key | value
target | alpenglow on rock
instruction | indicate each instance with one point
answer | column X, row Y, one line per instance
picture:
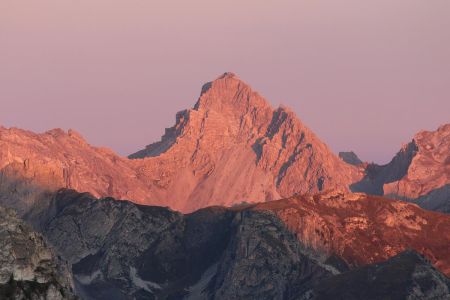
column 420, row 172
column 231, row 147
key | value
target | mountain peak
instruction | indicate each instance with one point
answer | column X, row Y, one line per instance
column 228, row 93
column 232, row 129
column 350, row 157
column 228, row 75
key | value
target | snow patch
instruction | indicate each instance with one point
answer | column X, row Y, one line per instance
column 196, row 290
column 139, row 282
column 88, row 279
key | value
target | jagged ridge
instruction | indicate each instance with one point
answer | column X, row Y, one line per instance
column 232, row 146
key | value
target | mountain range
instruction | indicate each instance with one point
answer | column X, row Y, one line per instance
column 231, row 147
column 238, row 200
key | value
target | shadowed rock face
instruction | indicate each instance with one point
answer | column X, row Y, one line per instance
column 275, row 250
column 119, row 250
column 28, row 268
column 350, row 158
column 232, row 146
column 436, row 200
column 419, row 172
column 405, row 276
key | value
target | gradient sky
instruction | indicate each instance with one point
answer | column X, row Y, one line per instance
column 364, row 75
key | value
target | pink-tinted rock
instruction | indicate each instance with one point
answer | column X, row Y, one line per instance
column 231, row 147
column 364, row 229
column 429, row 168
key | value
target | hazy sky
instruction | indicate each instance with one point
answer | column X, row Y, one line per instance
column 364, row 75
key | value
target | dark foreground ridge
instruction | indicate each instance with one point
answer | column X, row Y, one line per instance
column 120, row 250
column 405, row 276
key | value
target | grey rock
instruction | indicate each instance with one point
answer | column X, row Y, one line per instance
column 28, row 267
column 120, row 250
column 350, row 157
column 405, row 276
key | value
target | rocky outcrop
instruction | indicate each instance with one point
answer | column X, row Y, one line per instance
column 350, row 158
column 419, row 172
column 405, row 276
column 28, row 268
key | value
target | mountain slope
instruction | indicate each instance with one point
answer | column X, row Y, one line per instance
column 363, row 229
column 231, row 147
column 405, row 276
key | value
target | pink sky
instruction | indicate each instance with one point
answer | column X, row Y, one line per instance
column 364, row 75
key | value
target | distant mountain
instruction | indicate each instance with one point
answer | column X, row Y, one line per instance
column 32, row 165
column 285, row 249
column 350, row 158
column 28, row 267
column 231, row 147
column 222, row 165
column 420, row 172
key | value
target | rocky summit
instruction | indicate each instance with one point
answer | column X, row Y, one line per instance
column 233, row 146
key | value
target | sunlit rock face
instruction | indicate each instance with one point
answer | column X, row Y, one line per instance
column 28, row 268
column 232, row 146
column 32, row 165
column 362, row 229
column 420, row 172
